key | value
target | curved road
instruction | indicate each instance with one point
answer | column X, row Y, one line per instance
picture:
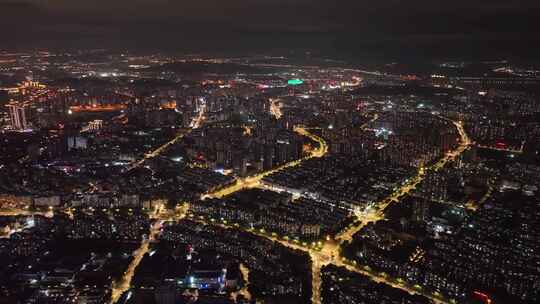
column 330, row 251
column 254, row 181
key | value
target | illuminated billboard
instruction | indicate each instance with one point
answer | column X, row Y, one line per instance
column 295, row 82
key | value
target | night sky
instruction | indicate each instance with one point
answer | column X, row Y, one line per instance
column 481, row 28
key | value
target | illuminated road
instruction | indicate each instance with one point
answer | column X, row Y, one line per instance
column 316, row 279
column 502, row 149
column 473, row 206
column 24, row 212
column 123, row 285
column 197, row 123
column 323, row 147
column 160, row 215
column 244, row 291
column 377, row 213
column 329, row 253
column 254, row 181
column 103, row 108
column 383, row 278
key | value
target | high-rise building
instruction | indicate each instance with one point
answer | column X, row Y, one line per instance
column 17, row 115
column 165, row 294
column 420, row 210
column 243, row 167
column 268, row 157
column 3, row 96
column 282, row 152
column 95, row 125
column 531, row 151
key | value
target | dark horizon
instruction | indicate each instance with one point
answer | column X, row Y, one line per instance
column 386, row 30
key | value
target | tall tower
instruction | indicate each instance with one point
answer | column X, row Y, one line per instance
column 17, row 115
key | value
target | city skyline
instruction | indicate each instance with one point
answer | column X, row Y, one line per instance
column 257, row 151
column 352, row 29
